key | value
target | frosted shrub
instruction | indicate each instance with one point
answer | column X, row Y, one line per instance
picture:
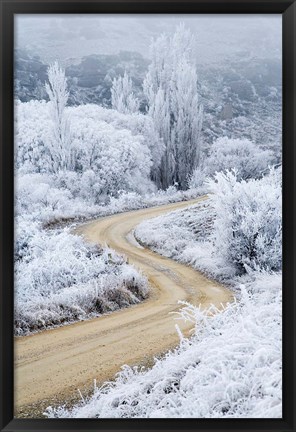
column 126, row 201
column 118, row 158
column 248, row 225
column 197, row 178
column 106, row 151
column 239, row 228
column 59, row 278
column 43, row 202
column 137, row 123
column 32, row 127
column 249, row 160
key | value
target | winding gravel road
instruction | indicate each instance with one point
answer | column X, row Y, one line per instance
column 50, row 366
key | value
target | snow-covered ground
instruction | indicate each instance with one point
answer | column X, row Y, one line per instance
column 231, row 366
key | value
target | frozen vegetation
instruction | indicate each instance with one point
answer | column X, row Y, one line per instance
column 168, row 137
column 231, row 366
column 61, row 279
column 105, row 170
column 236, row 230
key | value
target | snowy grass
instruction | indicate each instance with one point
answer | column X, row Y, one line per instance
column 185, row 235
column 59, row 279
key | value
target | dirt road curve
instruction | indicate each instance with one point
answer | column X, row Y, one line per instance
column 52, row 365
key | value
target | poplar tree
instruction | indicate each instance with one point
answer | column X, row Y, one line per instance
column 171, row 90
column 59, row 140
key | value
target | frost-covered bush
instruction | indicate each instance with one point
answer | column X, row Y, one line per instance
column 59, row 278
column 107, row 151
column 42, row 199
column 137, row 123
column 247, row 158
column 117, row 158
column 32, row 128
column 231, row 367
column 196, row 180
column 248, row 225
column 37, row 194
column 68, row 196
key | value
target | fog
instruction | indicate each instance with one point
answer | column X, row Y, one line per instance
column 68, row 38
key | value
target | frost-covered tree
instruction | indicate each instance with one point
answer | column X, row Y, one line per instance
column 59, row 140
column 109, row 156
column 171, row 90
column 187, row 114
column 110, row 151
column 122, row 96
column 139, row 124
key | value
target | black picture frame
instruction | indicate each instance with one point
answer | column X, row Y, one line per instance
column 288, row 10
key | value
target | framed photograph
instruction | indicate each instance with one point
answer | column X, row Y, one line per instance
column 147, row 215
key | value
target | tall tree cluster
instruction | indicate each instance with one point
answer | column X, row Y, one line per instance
column 171, row 90
column 173, row 108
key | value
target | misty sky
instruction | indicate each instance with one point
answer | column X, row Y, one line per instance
column 68, row 38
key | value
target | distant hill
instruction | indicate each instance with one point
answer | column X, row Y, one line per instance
column 30, row 75
column 89, row 81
